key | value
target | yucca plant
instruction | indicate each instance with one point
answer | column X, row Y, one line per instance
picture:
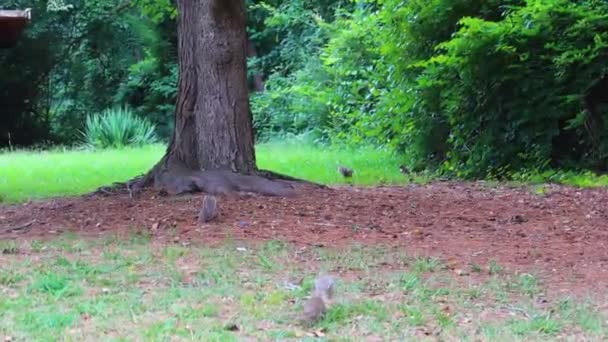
column 118, row 127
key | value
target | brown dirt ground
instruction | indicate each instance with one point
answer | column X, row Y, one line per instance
column 561, row 235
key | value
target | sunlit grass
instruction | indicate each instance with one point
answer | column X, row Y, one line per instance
column 41, row 174
column 25, row 174
column 34, row 174
column 372, row 166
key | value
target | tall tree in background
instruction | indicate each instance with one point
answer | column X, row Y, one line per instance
column 212, row 148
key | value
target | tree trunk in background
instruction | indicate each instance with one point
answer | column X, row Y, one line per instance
column 213, row 125
column 212, row 148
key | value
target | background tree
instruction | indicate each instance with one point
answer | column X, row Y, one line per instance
column 212, row 148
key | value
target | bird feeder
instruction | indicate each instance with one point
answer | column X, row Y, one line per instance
column 12, row 24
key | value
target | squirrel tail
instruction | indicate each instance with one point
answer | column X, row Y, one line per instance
column 324, row 287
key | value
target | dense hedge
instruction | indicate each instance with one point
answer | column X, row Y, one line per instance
column 474, row 88
column 512, row 92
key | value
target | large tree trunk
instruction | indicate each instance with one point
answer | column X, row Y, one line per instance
column 212, row 148
column 213, row 127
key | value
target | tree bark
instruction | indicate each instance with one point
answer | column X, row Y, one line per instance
column 213, row 123
column 212, row 147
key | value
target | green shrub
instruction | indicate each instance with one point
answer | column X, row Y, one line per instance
column 512, row 91
column 118, row 127
column 474, row 88
column 151, row 92
column 292, row 103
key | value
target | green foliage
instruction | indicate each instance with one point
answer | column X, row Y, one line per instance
column 151, row 91
column 291, row 106
column 512, row 91
column 96, row 51
column 468, row 88
column 79, row 56
column 360, row 88
column 117, row 128
column 473, row 88
column 25, row 68
column 409, row 34
column 285, row 33
column 157, row 10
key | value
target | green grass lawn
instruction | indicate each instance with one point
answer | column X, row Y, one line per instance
column 33, row 174
column 129, row 288
column 27, row 175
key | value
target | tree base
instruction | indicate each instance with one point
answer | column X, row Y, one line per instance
column 174, row 182
column 176, row 179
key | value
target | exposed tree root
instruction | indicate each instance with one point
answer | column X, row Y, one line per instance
column 278, row 176
column 170, row 176
column 116, row 188
column 175, row 179
column 109, row 190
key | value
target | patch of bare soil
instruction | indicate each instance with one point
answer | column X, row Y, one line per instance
column 562, row 235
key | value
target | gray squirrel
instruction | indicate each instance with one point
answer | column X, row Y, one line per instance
column 316, row 307
column 345, row 171
column 209, row 210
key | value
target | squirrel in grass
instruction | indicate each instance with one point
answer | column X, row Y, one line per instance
column 209, row 211
column 345, row 171
column 316, row 307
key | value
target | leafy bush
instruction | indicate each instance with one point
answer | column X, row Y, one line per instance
column 474, row 88
column 151, row 92
column 512, row 91
column 320, row 94
column 291, row 103
column 118, row 127
column 360, row 88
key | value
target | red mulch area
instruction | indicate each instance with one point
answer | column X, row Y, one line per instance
column 562, row 234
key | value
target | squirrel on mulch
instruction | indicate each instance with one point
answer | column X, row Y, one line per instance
column 209, row 209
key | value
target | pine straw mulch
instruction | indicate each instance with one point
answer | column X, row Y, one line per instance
column 562, row 234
